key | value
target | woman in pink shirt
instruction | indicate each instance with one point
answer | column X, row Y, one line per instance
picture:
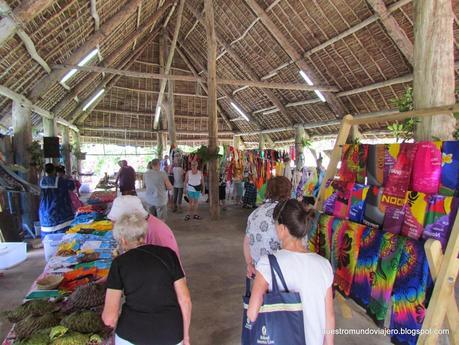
column 158, row 232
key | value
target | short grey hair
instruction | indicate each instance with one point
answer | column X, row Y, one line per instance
column 155, row 162
column 132, row 227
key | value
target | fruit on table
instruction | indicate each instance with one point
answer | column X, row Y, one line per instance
column 83, row 322
column 35, row 308
column 72, row 338
column 87, row 296
column 32, row 324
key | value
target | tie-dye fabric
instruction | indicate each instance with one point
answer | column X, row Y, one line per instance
column 325, row 228
column 375, row 164
column 366, row 266
column 410, row 292
column 374, row 209
column 441, row 213
column 399, row 175
column 449, row 182
column 329, row 198
column 343, row 195
column 427, row 167
column 313, row 235
column 386, row 270
column 357, row 203
column 339, row 228
column 347, row 257
column 393, row 219
column 415, row 212
column 353, row 163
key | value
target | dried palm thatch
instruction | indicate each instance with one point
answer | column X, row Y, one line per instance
column 342, row 43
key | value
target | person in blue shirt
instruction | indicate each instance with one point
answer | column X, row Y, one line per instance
column 55, row 210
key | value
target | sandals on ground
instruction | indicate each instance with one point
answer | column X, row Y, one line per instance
column 187, row 217
column 196, row 216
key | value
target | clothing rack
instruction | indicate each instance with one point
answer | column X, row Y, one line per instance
column 444, row 268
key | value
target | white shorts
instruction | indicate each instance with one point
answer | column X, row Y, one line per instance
column 121, row 341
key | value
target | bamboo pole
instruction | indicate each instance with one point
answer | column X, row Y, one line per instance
column 212, row 108
column 170, row 57
column 234, row 82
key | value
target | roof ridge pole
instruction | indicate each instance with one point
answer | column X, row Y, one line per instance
column 212, row 109
column 333, row 102
column 106, row 29
column 393, row 29
column 168, row 63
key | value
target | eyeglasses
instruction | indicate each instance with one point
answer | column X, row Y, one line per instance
column 278, row 219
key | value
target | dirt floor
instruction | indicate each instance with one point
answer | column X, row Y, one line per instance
column 213, row 261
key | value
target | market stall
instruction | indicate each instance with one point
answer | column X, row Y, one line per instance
column 390, row 230
column 64, row 303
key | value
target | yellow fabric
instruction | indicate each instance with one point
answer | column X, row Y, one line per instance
column 279, row 168
column 101, row 225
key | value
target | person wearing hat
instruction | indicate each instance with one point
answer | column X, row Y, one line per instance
column 158, row 233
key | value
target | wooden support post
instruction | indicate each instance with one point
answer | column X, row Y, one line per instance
column 67, row 150
column 300, row 135
column 262, row 142
column 49, row 127
column 268, row 141
column 435, row 258
column 237, row 142
column 335, row 158
column 212, row 108
column 433, row 77
column 170, row 105
column 78, row 150
column 443, row 292
column 354, row 135
column 22, row 128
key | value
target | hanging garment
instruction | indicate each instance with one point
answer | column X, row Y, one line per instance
column 440, row 217
column 390, row 157
column 449, row 182
column 427, row 168
column 366, row 266
column 357, row 202
column 307, row 183
column 410, row 292
column 347, row 257
column 386, row 270
column 415, row 212
column 353, row 163
column 375, row 164
column 399, row 175
column 313, row 234
column 325, row 228
column 393, row 219
column 329, row 198
column 343, row 191
column 339, row 227
column 374, row 209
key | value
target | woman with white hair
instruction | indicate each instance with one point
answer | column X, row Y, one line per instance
column 157, row 308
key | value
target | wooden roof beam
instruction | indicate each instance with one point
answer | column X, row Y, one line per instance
column 333, row 102
column 151, row 142
column 85, row 83
column 245, row 67
column 138, row 114
column 96, row 38
column 163, row 84
column 393, row 29
column 24, row 13
column 151, row 130
column 28, row 43
column 95, row 15
column 203, row 86
column 234, row 82
column 108, row 82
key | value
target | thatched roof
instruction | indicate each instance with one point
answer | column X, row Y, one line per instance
column 363, row 62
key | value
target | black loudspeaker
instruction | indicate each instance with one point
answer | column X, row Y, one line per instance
column 51, row 147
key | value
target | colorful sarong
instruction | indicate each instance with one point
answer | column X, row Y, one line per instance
column 366, row 266
column 339, row 228
column 398, row 180
column 410, row 292
column 313, row 235
column 357, row 203
column 440, row 217
column 386, row 270
column 325, row 227
column 329, row 198
column 390, row 157
column 375, row 164
column 393, row 219
column 427, row 168
column 343, row 194
column 348, row 253
column 374, row 209
column 415, row 212
column 449, row 182
column 353, row 163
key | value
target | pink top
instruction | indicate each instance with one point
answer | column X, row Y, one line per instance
column 160, row 234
